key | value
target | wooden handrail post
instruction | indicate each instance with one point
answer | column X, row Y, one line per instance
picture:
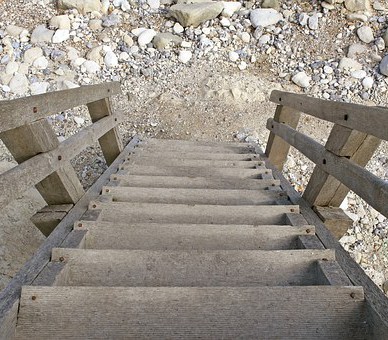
column 110, row 143
column 277, row 149
column 27, row 141
column 323, row 189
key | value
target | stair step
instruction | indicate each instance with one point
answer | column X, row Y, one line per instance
column 195, row 163
column 198, row 214
column 193, row 182
column 325, row 312
column 194, row 155
column 193, row 172
column 193, row 196
column 155, row 142
column 206, row 268
column 153, row 236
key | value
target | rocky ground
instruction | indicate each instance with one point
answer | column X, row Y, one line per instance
column 204, row 70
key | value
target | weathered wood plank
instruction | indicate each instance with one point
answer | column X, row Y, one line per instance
column 330, row 273
column 110, row 142
column 18, row 112
column 371, row 120
column 377, row 302
column 309, row 242
column 334, row 219
column 38, row 137
column 10, row 295
column 326, row 312
column 17, row 180
column 323, row 189
column 371, row 188
column 277, row 149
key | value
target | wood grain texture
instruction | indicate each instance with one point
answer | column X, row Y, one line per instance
column 277, row 149
column 334, row 219
column 10, row 295
column 193, row 196
column 157, row 154
column 330, row 273
column 17, row 180
column 29, row 109
column 327, row 312
column 192, row 182
column 368, row 186
column 156, row 236
column 194, row 268
column 371, row 120
column 200, row 214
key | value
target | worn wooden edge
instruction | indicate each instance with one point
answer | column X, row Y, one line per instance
column 377, row 302
column 22, row 177
column 368, row 186
column 309, row 242
column 10, row 294
column 372, row 120
column 18, row 112
column 330, row 273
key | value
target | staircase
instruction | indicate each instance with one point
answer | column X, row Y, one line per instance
column 192, row 240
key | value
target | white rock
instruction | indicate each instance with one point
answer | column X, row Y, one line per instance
column 5, row 88
column 303, row 19
column 230, row 8
column 313, row 22
column 365, row 34
column 186, row 44
column 349, row 64
column 359, row 74
column 185, row 56
column 14, row 31
column 125, row 6
column 19, row 84
column 124, row 56
column 72, row 53
column 233, row 56
column 367, row 82
column 110, row 59
column 264, row 39
column 225, row 22
column 61, row 36
column 60, row 21
column 40, row 63
column 41, row 34
column 146, row 37
column 137, row 31
column 242, row 66
column 178, row 28
column 31, row 54
column 39, row 87
column 12, row 68
column 91, row 66
column 384, row 66
column 154, row 4
column 245, row 37
column 83, row 6
column 327, row 69
column 265, row 17
column 79, row 120
column 301, row 79
column 206, row 30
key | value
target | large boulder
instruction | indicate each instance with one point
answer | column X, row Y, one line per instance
column 82, row 6
column 195, row 14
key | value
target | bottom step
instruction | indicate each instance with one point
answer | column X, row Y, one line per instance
column 176, row 313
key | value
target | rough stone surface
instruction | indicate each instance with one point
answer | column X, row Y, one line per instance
column 31, row 54
column 347, row 64
column 265, row 17
column 19, row 84
column 162, row 40
column 146, row 37
column 82, row 6
column 301, row 79
column 357, row 5
column 41, row 34
column 195, row 14
column 384, row 66
column 60, row 21
column 365, row 34
column 61, row 36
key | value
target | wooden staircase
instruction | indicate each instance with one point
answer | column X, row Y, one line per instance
column 192, row 240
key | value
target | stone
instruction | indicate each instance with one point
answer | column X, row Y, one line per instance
column 110, row 59
column 195, row 14
column 380, row 43
column 31, row 54
column 357, row 5
column 356, row 50
column 271, row 4
column 384, row 66
column 60, row 21
column 95, row 24
column 41, row 34
column 40, row 63
column 163, row 40
column 313, row 22
column 230, row 8
column 12, row 68
column 348, row 64
column 303, row 19
column 128, row 40
column 91, row 66
column 110, row 20
column 82, row 6
column 19, row 84
column 14, row 31
column 125, row 6
column 178, row 28
column 233, row 56
column 146, row 37
column 360, row 74
column 367, row 83
column 95, row 54
column 357, row 17
column 385, row 37
column 154, row 4
column 61, row 36
column 327, row 69
column 79, row 120
column 225, row 22
column 184, row 56
column 39, row 87
column 365, row 34
column 138, row 31
column 301, row 79
column 245, row 37
column 265, row 17
column 242, row 66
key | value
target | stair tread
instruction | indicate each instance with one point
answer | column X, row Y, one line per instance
column 193, row 182
column 154, row 236
column 200, row 214
column 193, row 196
column 157, row 154
column 213, row 312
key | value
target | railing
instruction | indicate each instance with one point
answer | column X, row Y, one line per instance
column 340, row 163
column 43, row 161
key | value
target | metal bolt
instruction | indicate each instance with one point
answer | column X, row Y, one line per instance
column 61, row 259
column 59, row 158
column 292, row 210
column 273, row 184
column 325, row 259
column 352, row 295
column 79, row 225
column 35, row 109
column 115, row 178
column 106, row 190
column 94, row 206
column 33, row 297
column 308, row 231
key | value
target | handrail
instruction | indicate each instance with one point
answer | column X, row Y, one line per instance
column 22, row 111
column 372, row 120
